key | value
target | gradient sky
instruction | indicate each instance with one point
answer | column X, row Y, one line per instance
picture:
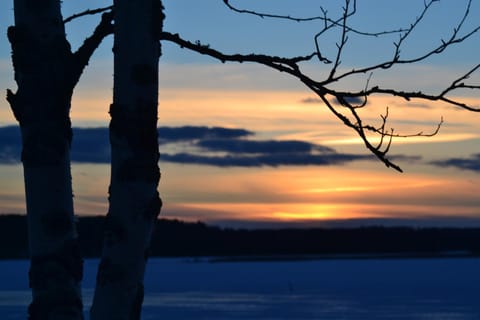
column 333, row 179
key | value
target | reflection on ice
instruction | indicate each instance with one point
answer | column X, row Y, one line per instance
column 14, row 298
column 418, row 289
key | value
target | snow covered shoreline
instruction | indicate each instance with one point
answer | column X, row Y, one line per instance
column 314, row 289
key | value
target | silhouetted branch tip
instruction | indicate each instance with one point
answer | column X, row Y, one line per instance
column 87, row 12
column 82, row 56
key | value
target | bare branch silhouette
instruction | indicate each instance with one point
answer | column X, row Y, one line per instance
column 269, row 15
column 87, row 12
column 455, row 38
column 328, row 22
column 84, row 53
column 323, row 87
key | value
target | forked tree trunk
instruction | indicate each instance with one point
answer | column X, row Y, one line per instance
column 46, row 71
column 133, row 195
column 41, row 105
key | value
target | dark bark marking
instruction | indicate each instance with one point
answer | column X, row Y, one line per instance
column 57, row 223
column 35, row 5
column 52, row 276
column 139, row 131
column 136, row 126
column 109, row 273
column 144, row 74
column 49, row 274
column 22, row 44
column 14, row 34
column 42, row 145
column 61, row 307
column 16, row 108
column 115, row 231
column 67, row 261
column 154, row 207
column 137, row 170
column 39, row 153
column 158, row 16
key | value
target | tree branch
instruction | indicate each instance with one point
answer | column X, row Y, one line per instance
column 281, row 64
column 324, row 17
column 455, row 38
column 269, row 15
column 343, row 39
column 324, row 88
column 87, row 12
column 82, row 56
column 408, row 95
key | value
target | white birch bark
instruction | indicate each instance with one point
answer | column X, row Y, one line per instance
column 41, row 105
column 133, row 195
column 46, row 71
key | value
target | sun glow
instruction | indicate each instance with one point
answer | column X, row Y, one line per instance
column 283, row 212
column 307, row 212
column 338, row 189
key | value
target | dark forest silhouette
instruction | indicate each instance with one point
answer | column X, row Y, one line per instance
column 175, row 238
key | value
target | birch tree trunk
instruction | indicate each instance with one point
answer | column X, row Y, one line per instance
column 46, row 71
column 134, row 199
column 41, row 106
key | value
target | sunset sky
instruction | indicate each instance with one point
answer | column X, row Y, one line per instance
column 330, row 179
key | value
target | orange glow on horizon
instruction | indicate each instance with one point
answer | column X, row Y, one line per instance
column 357, row 190
column 302, row 194
column 319, row 212
column 316, row 213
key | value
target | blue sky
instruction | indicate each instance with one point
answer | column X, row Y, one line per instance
column 205, row 179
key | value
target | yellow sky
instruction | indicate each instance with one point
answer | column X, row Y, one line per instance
column 295, row 194
column 362, row 189
column 319, row 193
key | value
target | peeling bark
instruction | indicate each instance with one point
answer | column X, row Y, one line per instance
column 133, row 196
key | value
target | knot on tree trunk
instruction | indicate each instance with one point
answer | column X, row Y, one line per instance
column 45, row 144
column 154, row 206
column 67, row 261
column 135, row 128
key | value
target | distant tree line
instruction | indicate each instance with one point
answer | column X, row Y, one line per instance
column 174, row 238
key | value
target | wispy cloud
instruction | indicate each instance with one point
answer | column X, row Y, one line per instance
column 268, row 146
column 352, row 100
column 472, row 163
column 311, row 100
column 272, row 160
column 91, row 145
column 215, row 146
column 170, row 134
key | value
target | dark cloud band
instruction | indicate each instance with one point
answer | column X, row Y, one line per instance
column 472, row 163
column 215, row 146
column 271, row 160
column 268, row 147
column 172, row 134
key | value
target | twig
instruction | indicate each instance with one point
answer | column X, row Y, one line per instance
column 87, row 12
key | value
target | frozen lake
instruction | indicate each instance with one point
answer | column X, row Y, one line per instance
column 319, row 289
